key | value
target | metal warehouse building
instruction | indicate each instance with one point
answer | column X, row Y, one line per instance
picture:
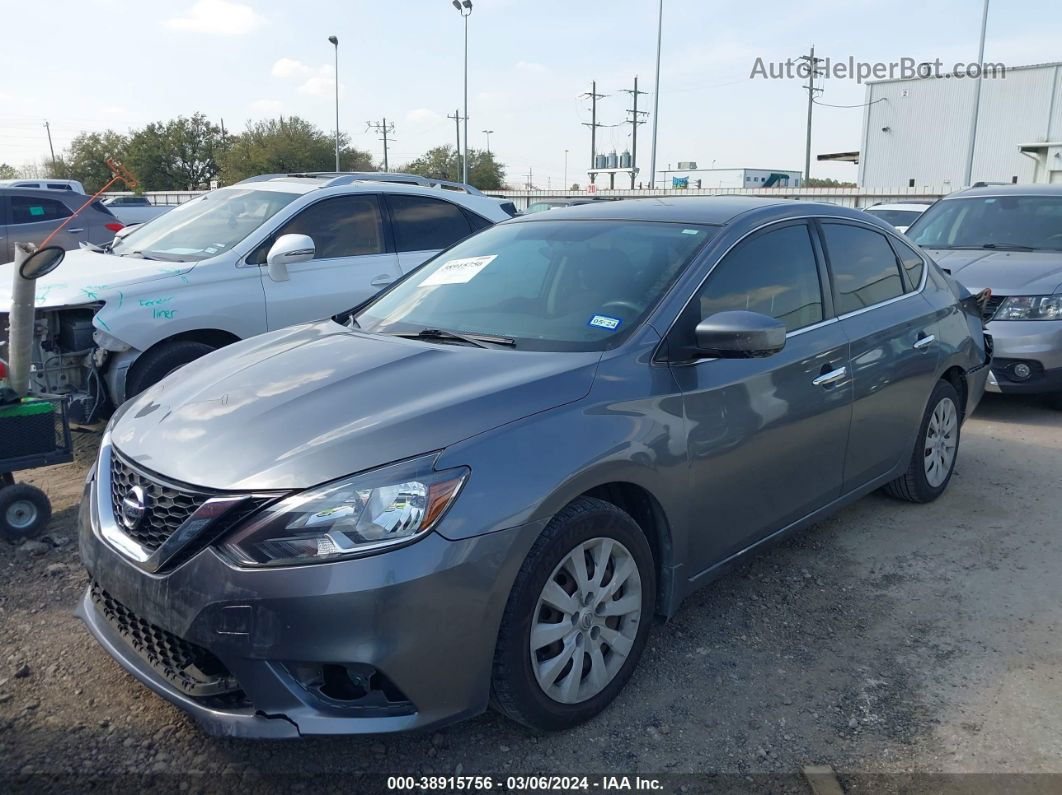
column 916, row 131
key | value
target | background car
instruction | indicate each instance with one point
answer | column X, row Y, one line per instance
column 28, row 215
column 44, row 184
column 553, row 204
column 900, row 215
column 1008, row 238
column 228, row 265
column 135, row 209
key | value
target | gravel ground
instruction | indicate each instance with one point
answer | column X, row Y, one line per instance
column 891, row 639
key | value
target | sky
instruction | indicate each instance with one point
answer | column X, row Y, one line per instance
column 123, row 63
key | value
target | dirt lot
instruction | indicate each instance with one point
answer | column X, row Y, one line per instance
column 891, row 639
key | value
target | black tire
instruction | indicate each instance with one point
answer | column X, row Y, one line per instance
column 914, row 485
column 25, row 510
column 159, row 362
column 515, row 692
column 1055, row 401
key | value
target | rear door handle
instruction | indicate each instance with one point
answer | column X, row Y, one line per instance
column 925, row 342
column 77, row 231
column 382, row 280
column 832, row 377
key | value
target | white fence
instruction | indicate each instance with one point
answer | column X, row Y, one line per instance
column 845, row 197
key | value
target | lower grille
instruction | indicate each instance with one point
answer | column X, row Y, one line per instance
column 190, row 668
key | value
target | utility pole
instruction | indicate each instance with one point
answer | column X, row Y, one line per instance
column 457, row 126
column 566, row 183
column 50, row 147
column 813, row 72
column 656, row 93
column 634, row 121
column 384, row 129
column 977, row 100
column 530, row 183
column 488, row 134
column 593, row 125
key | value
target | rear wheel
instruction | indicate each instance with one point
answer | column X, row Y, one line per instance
column 577, row 618
column 159, row 362
column 25, row 510
column 933, row 460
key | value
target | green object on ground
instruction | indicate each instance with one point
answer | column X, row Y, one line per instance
column 29, row 407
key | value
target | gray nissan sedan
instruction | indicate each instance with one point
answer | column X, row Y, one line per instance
column 479, row 487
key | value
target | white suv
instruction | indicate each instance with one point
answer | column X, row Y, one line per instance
column 230, row 264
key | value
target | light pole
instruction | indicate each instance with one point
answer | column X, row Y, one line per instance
column 488, row 133
column 335, row 41
column 656, row 93
column 566, row 185
column 968, row 174
column 464, row 8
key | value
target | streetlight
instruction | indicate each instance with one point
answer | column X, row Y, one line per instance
column 968, row 171
column 566, row 186
column 464, row 8
column 335, row 41
column 488, row 132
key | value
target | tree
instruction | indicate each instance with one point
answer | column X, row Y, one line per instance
column 816, row 182
column 287, row 145
column 8, row 171
column 85, row 158
column 443, row 162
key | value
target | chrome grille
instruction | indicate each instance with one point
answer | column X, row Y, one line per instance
column 167, row 506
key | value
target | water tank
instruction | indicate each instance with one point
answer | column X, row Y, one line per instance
column 613, row 160
column 625, row 160
column 600, row 161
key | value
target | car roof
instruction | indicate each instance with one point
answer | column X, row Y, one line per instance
column 1008, row 189
column 915, row 206
column 715, row 210
column 43, row 193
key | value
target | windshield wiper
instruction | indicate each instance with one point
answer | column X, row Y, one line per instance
column 450, row 336
column 140, row 254
column 996, row 247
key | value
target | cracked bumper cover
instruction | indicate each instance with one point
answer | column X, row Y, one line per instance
column 426, row 615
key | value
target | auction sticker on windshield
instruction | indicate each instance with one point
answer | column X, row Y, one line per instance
column 458, row 271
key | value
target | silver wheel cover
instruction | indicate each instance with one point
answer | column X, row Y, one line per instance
column 586, row 620
column 941, row 441
column 21, row 514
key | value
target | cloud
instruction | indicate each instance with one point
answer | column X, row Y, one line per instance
column 267, row 106
column 218, row 17
column 289, row 67
column 531, row 66
column 422, row 116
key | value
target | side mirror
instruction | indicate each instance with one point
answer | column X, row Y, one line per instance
column 740, row 335
column 288, row 250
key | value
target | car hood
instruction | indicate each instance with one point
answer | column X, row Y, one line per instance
column 86, row 276
column 311, row 403
column 1006, row 272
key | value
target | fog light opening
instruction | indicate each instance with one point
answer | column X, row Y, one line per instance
column 1022, row 371
column 352, row 685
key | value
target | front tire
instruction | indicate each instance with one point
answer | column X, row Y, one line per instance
column 577, row 619
column 25, row 510
column 159, row 362
column 933, row 460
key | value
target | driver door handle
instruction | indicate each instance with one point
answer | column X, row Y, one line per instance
column 382, row 280
column 832, row 377
column 925, row 342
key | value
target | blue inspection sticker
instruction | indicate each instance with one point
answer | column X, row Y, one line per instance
column 605, row 322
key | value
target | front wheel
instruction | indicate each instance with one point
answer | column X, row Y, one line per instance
column 933, row 460
column 159, row 362
column 25, row 510
column 577, row 618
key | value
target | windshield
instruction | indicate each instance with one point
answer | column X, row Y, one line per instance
column 544, row 285
column 204, row 227
column 1024, row 222
column 896, row 217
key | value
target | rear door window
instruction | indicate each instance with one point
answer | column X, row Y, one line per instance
column 864, row 267
column 912, row 263
column 32, row 210
column 424, row 224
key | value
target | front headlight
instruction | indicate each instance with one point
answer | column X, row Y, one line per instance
column 349, row 518
column 1030, row 307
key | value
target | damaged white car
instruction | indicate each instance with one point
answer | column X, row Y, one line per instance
column 233, row 263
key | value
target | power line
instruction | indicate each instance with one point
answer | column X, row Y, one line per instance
column 384, row 129
column 860, row 105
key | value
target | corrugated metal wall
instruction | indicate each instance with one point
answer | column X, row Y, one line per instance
column 919, row 129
